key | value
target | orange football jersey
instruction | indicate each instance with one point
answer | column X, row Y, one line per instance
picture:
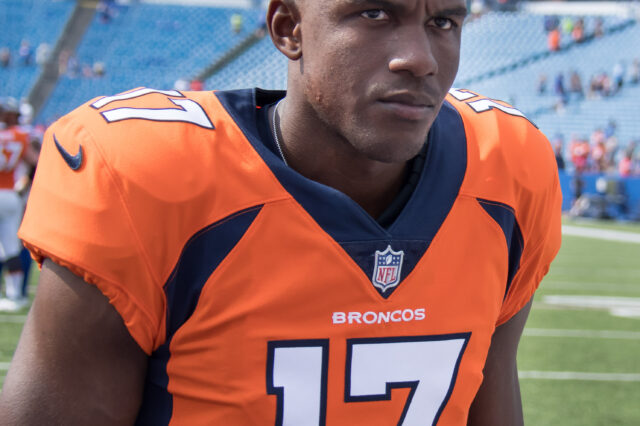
column 263, row 297
column 13, row 143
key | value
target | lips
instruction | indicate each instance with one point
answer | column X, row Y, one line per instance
column 407, row 105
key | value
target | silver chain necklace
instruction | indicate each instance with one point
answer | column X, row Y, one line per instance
column 275, row 133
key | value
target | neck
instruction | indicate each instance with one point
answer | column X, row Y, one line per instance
column 327, row 158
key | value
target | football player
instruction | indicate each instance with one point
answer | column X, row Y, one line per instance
column 15, row 149
column 360, row 250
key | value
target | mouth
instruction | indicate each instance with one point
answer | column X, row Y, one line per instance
column 407, row 106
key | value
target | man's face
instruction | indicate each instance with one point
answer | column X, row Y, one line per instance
column 377, row 71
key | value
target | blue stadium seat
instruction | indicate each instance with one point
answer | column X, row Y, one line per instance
column 148, row 45
column 35, row 21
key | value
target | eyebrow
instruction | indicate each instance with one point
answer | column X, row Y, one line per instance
column 455, row 11
column 452, row 11
column 372, row 3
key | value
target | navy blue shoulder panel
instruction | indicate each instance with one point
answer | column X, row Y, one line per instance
column 443, row 173
column 357, row 232
column 504, row 215
column 321, row 201
column 201, row 255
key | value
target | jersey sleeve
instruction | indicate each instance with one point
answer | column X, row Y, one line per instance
column 539, row 216
column 80, row 220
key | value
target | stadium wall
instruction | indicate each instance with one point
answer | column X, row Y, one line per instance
column 628, row 191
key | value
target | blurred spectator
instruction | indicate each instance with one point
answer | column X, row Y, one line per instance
column 567, row 25
column 605, row 82
column 42, row 53
column 558, row 149
column 598, row 29
column 541, row 85
column 106, row 10
column 5, row 57
column 577, row 187
column 87, row 71
column 575, row 84
column 560, row 91
column 98, row 69
column 634, row 71
column 553, row 40
column 595, row 86
column 610, row 129
column 577, row 34
column 579, row 149
column 196, row 85
column 181, row 85
column 236, row 22
column 477, row 8
column 26, row 113
column 598, row 151
column 633, row 153
column 25, row 53
column 610, row 152
column 625, row 166
column 617, row 77
column 72, row 67
column 550, row 23
column 600, row 85
column 63, row 60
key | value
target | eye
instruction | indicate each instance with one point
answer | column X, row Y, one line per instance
column 443, row 23
column 375, row 15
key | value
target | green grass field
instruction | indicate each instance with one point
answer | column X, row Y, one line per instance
column 579, row 364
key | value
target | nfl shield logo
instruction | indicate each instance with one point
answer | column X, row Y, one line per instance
column 386, row 272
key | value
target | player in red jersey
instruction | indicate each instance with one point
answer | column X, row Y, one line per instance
column 361, row 250
column 15, row 148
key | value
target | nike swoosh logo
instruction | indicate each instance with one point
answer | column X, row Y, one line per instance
column 73, row 161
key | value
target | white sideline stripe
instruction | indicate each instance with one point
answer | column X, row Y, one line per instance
column 574, row 375
column 576, row 285
column 589, row 334
column 13, row 318
column 601, row 234
column 4, row 366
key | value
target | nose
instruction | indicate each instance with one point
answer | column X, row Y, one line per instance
column 413, row 53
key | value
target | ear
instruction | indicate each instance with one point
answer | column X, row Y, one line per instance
column 283, row 22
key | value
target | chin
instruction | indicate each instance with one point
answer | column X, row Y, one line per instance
column 394, row 152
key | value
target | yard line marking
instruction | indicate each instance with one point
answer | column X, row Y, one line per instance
column 627, row 307
column 576, row 285
column 609, row 271
column 601, row 234
column 4, row 366
column 13, row 318
column 588, row 334
column 574, row 375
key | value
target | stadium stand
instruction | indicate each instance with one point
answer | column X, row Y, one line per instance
column 35, row 21
column 155, row 46
column 500, row 42
column 261, row 64
column 518, row 84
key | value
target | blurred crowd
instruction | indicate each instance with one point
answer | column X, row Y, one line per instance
column 568, row 86
column 571, row 28
column 599, row 153
column 25, row 56
column 20, row 143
